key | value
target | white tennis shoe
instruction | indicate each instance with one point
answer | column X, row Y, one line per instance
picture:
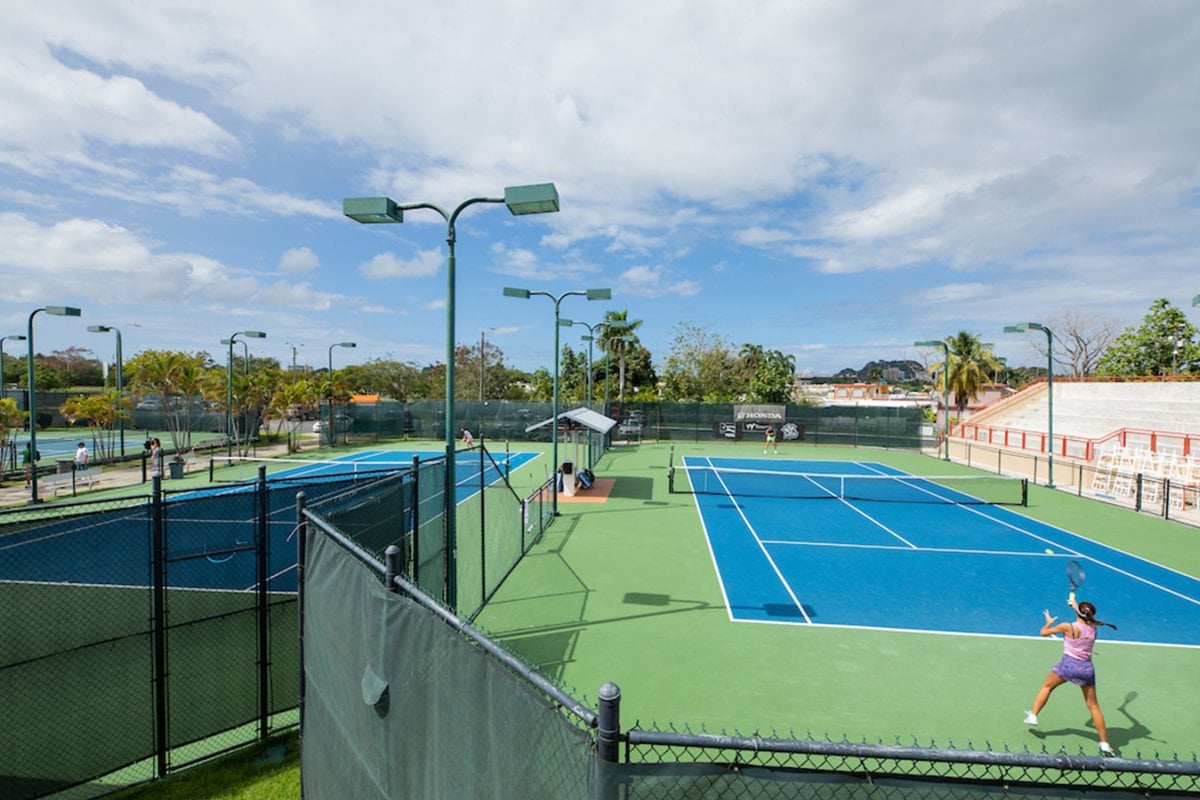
column 1106, row 750
column 1030, row 718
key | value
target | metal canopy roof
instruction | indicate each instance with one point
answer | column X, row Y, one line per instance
column 579, row 418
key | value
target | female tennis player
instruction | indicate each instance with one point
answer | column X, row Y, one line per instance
column 771, row 439
column 1079, row 637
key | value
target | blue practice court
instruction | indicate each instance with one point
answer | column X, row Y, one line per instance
column 921, row 558
column 209, row 530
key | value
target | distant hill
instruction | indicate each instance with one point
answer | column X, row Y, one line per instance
column 886, row 371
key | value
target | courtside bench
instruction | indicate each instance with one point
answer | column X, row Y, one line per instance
column 62, row 481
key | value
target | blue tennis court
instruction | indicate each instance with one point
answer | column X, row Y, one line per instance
column 809, row 543
column 210, row 530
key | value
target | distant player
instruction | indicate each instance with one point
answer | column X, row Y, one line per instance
column 1079, row 637
column 771, row 439
column 468, row 439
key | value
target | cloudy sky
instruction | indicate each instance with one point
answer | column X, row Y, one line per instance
column 834, row 180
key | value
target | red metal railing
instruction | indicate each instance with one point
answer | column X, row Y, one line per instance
column 1081, row 447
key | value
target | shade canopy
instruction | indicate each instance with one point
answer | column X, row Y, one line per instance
column 581, row 419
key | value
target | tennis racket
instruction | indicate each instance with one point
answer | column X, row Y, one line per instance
column 1075, row 577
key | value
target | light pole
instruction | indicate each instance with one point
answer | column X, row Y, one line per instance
column 16, row 337
column 945, row 387
column 482, row 358
column 540, row 198
column 229, row 391
column 1022, row 327
column 57, row 311
column 120, row 378
column 294, row 348
column 590, row 338
column 525, row 294
column 332, row 432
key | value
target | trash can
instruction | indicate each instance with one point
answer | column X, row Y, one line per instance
column 176, row 468
column 568, row 479
column 65, row 465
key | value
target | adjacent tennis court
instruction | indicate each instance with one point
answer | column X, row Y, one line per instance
column 210, row 537
column 863, row 545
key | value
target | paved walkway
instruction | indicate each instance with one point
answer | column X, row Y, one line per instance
column 14, row 492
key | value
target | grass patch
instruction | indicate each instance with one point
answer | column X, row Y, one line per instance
column 261, row 772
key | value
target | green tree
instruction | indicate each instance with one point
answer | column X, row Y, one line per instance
column 971, row 367
column 102, row 413
column 617, row 336
column 180, row 381
column 768, row 375
column 1164, row 344
column 11, row 419
column 700, row 367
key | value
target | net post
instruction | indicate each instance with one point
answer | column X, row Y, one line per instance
column 1137, row 503
column 211, row 468
column 1025, row 491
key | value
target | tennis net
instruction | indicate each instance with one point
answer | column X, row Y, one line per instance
column 951, row 489
column 238, row 469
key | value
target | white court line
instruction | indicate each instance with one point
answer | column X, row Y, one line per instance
column 981, row 511
column 858, row 510
column 766, row 555
column 1072, row 551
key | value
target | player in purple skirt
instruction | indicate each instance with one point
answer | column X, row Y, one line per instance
column 1079, row 637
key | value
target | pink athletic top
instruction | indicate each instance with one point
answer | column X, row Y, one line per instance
column 1081, row 646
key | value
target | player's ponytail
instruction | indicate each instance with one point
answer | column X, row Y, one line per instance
column 1087, row 612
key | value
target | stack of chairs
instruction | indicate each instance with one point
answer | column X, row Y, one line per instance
column 1117, row 469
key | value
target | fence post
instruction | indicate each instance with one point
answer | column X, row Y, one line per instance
column 606, row 781
column 392, row 566
column 483, row 592
column 1166, row 498
column 158, row 548
column 608, row 731
column 416, row 520
column 1137, row 503
column 262, row 557
column 301, row 557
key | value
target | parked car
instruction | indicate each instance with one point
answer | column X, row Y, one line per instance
column 630, row 428
column 341, row 424
column 149, row 404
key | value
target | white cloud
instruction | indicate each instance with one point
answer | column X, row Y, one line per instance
column 387, row 265
column 298, row 260
column 643, row 281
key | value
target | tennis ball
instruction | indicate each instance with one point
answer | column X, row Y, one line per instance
column 1049, row 552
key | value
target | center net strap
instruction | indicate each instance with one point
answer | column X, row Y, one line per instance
column 951, row 489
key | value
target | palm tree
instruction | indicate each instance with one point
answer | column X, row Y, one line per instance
column 614, row 330
column 971, row 365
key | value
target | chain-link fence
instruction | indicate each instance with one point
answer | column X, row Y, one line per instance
column 858, row 425
column 143, row 634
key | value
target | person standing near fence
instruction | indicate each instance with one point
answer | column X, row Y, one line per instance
column 81, row 456
column 156, row 457
column 28, row 460
column 1079, row 637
